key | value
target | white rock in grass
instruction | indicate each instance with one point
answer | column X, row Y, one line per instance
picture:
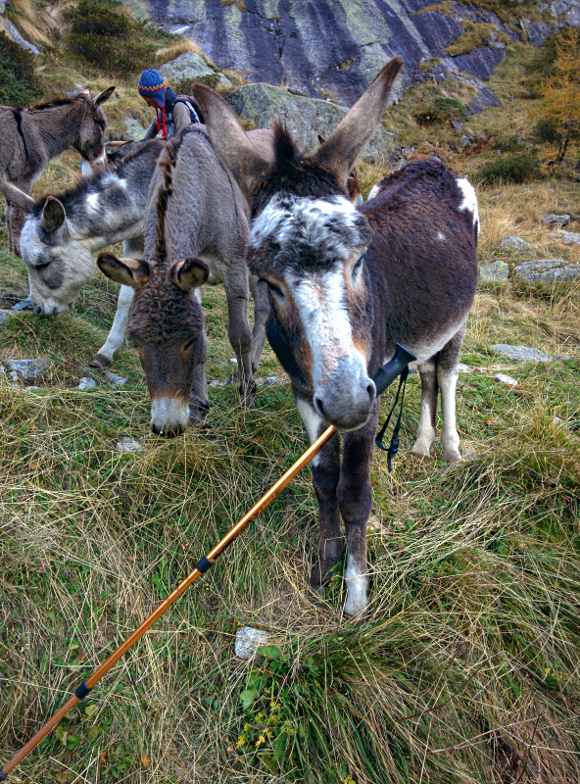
column 5, row 315
column 29, row 370
column 87, row 382
column 128, row 444
column 461, row 368
column 113, row 379
column 501, row 378
column 248, row 640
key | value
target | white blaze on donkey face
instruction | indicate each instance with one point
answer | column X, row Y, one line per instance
column 316, row 245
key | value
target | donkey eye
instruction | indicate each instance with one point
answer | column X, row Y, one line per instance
column 188, row 344
column 357, row 268
column 40, row 267
column 274, row 288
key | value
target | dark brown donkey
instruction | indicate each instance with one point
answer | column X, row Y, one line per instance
column 345, row 285
column 32, row 137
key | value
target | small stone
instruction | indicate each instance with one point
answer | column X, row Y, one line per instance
column 233, row 361
column 501, row 378
column 461, row 368
column 270, row 381
column 29, row 370
column 556, row 421
column 457, row 125
column 87, row 382
column 5, row 315
column 494, row 273
column 113, row 379
column 552, row 219
column 465, row 141
column 218, row 384
column 567, row 237
column 497, row 196
column 514, row 243
column 128, row 444
column 24, row 304
column 248, row 640
column 522, row 353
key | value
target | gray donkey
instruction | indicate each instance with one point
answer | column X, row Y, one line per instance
column 32, row 137
column 196, row 229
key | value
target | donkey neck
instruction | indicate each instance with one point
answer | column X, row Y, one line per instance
column 58, row 125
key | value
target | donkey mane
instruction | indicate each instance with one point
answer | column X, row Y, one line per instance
column 53, row 104
column 166, row 165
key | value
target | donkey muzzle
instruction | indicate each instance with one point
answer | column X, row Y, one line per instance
column 347, row 399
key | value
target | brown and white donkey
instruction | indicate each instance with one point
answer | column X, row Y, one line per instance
column 345, row 285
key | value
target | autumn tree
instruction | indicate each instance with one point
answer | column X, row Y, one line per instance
column 561, row 94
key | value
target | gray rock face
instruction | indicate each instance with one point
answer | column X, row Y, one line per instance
column 521, row 353
column 539, row 32
column 552, row 219
column 335, row 46
column 547, row 271
column 192, row 67
column 494, row 273
column 29, row 370
column 516, row 244
column 305, row 118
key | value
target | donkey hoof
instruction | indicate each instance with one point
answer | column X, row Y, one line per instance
column 100, row 361
column 420, row 456
column 248, row 395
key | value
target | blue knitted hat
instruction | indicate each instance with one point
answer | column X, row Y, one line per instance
column 151, row 85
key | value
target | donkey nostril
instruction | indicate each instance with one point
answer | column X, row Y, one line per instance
column 317, row 401
column 371, row 390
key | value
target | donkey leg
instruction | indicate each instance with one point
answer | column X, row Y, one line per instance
column 14, row 222
column 240, row 337
column 261, row 313
column 447, row 376
column 426, row 432
column 199, row 398
column 105, row 355
column 325, row 476
column 355, row 498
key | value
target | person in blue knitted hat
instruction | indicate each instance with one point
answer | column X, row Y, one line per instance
column 173, row 112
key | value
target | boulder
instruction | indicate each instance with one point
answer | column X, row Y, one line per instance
column 547, row 271
column 569, row 237
column 304, row 117
column 552, row 219
column 191, row 67
column 516, row 244
column 494, row 273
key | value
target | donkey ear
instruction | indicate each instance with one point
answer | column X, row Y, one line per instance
column 104, row 96
column 53, row 215
column 189, row 274
column 14, row 195
column 339, row 152
column 230, row 142
column 127, row 272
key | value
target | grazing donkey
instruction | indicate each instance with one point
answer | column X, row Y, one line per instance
column 32, row 137
column 345, row 285
column 195, row 209
column 61, row 234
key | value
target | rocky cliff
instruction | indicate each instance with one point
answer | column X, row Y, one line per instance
column 335, row 47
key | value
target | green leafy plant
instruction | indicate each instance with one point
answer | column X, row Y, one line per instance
column 18, row 83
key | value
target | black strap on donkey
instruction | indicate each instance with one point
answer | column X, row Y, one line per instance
column 394, row 445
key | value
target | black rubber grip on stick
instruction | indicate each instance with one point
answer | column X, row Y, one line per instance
column 204, row 565
column 3, row 776
column 82, row 690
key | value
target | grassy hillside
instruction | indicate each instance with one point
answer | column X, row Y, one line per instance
column 465, row 669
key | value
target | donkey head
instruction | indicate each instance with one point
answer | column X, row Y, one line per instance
column 167, row 322
column 307, row 243
column 90, row 138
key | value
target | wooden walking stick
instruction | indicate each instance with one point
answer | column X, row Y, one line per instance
column 385, row 376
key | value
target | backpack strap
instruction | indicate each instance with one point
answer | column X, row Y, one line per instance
column 188, row 101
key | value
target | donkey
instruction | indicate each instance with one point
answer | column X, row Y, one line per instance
column 196, row 228
column 346, row 285
column 61, row 234
column 32, row 137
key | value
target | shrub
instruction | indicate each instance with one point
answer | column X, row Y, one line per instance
column 18, row 83
column 102, row 33
column 546, row 130
column 442, row 110
column 518, row 168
